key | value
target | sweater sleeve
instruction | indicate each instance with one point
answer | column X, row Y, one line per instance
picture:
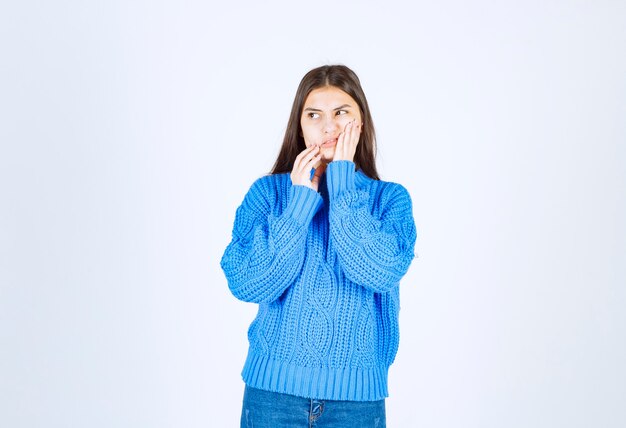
column 373, row 251
column 267, row 250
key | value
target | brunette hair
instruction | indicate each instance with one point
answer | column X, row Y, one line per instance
column 345, row 79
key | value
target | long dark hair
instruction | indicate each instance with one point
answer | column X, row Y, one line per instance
column 345, row 79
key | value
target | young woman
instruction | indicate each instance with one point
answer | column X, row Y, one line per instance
column 321, row 245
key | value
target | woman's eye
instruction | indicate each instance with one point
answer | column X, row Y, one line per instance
column 313, row 115
column 339, row 112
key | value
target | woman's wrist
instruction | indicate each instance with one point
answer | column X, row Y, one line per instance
column 303, row 204
column 340, row 177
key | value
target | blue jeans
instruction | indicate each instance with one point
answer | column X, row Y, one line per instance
column 265, row 409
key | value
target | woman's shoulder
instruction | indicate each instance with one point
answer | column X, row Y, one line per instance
column 271, row 182
column 267, row 187
column 383, row 187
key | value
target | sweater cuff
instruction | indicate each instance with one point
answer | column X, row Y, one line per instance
column 303, row 204
column 340, row 177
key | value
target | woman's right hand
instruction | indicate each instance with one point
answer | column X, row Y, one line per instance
column 307, row 160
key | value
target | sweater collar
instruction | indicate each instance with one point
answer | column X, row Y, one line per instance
column 360, row 179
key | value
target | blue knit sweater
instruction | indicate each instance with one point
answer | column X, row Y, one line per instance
column 324, row 268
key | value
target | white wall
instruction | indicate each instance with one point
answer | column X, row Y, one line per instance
column 130, row 132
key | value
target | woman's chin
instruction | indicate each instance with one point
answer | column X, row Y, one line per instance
column 328, row 155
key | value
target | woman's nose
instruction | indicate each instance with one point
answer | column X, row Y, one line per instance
column 330, row 126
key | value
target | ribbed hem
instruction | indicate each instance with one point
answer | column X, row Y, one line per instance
column 340, row 177
column 303, row 204
column 321, row 383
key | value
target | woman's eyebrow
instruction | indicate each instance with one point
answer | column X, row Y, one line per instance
column 336, row 108
column 342, row 106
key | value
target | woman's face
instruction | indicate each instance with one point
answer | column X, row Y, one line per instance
column 325, row 114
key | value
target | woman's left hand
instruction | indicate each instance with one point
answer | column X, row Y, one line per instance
column 347, row 142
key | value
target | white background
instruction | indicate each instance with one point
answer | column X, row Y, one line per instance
column 130, row 132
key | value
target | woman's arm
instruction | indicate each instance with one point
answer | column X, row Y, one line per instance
column 267, row 251
column 374, row 252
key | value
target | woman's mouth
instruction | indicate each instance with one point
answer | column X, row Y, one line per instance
column 329, row 143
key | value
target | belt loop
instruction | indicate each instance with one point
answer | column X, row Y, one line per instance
column 316, row 410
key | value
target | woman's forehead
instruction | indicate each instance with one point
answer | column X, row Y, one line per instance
column 329, row 97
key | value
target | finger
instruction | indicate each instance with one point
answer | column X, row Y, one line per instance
column 340, row 143
column 303, row 158
column 350, row 129
column 354, row 134
column 317, row 160
column 343, row 148
column 303, row 153
column 309, row 157
column 313, row 162
column 349, row 132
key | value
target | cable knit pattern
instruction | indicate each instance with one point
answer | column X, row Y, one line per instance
column 324, row 268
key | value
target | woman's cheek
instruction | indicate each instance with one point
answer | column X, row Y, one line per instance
column 307, row 140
